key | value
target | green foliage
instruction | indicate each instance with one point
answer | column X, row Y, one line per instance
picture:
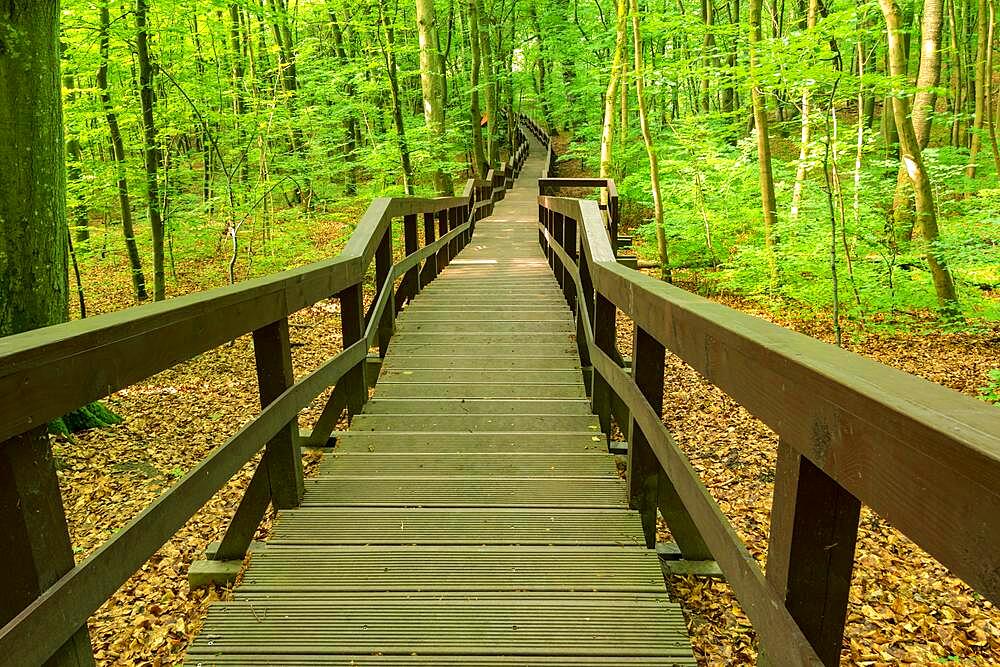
column 991, row 392
column 90, row 416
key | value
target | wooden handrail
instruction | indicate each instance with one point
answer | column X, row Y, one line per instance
column 48, row 372
column 923, row 456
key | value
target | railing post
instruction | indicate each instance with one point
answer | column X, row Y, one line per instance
column 430, row 268
column 810, row 554
column 272, row 351
column 613, row 216
column 383, row 265
column 649, row 488
column 35, row 547
column 352, row 325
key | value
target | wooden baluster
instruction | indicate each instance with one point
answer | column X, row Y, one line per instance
column 810, row 555
column 605, row 338
column 35, row 547
column 569, row 243
column 558, row 225
column 430, row 269
column 542, row 213
column 352, row 324
column 613, row 213
column 454, row 220
column 409, row 287
column 585, row 315
column 444, row 255
column 383, row 265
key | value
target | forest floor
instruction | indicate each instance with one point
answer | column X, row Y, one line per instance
column 905, row 607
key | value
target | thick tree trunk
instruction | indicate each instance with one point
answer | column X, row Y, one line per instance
column 910, row 154
column 151, row 148
column 654, row 171
column 351, row 131
column 767, row 199
column 432, row 86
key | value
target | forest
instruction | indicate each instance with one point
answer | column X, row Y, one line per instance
column 212, row 137
column 830, row 165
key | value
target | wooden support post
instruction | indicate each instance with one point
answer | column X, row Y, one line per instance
column 643, row 468
column 810, row 555
column 383, row 265
column 649, row 487
column 273, row 353
column 542, row 212
column 430, row 269
column 35, row 547
column 454, row 215
column 352, row 324
column 444, row 255
column 613, row 213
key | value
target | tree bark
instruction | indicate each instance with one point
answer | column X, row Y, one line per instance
column 767, row 199
column 397, row 109
column 486, row 45
column 611, row 97
column 800, row 170
column 118, row 155
column 480, row 166
column 654, row 171
column 432, row 87
column 928, row 77
column 910, row 155
column 151, row 149
column 980, row 89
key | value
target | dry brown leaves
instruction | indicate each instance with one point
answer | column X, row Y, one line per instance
column 171, row 422
column 905, row 607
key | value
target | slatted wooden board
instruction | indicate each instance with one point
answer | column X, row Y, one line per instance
column 472, row 514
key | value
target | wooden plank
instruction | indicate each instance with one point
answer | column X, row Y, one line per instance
column 554, row 442
column 468, row 464
column 479, row 390
column 476, row 423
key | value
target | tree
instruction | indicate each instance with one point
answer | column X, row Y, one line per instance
column 151, row 149
column 611, row 97
column 432, row 86
column 912, row 160
column 647, row 138
column 768, row 203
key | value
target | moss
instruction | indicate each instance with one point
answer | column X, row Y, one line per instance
column 90, row 416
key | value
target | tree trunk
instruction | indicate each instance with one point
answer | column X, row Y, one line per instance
column 767, row 199
column 486, row 45
column 980, row 89
column 351, row 132
column 800, row 170
column 432, row 87
column 928, row 77
column 151, row 150
column 118, row 155
column 957, row 77
column 611, row 97
column 397, row 109
column 654, row 171
column 480, row 166
column 990, row 116
column 910, row 155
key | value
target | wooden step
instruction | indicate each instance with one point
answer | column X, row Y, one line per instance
column 477, row 406
column 477, row 390
column 476, row 423
column 458, row 526
column 451, row 442
column 485, row 464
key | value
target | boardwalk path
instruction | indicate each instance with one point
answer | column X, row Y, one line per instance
column 472, row 515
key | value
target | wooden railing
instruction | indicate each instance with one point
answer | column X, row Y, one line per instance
column 851, row 431
column 49, row 372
